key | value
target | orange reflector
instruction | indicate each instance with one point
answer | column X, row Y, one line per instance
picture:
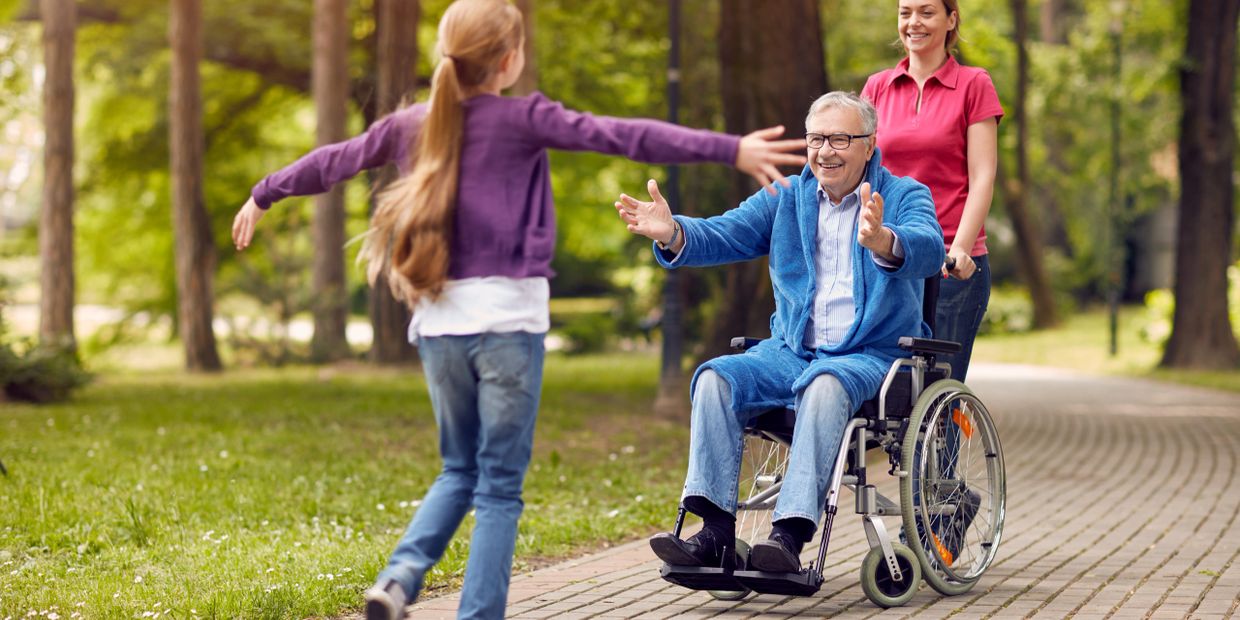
column 963, row 422
column 943, row 552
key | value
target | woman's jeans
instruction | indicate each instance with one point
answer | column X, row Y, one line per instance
column 485, row 390
column 716, row 442
column 962, row 304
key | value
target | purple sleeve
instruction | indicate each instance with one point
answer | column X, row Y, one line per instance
column 553, row 126
column 320, row 169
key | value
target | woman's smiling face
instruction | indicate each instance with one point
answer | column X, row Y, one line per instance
column 924, row 25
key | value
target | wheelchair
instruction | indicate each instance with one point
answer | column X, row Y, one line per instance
column 943, row 447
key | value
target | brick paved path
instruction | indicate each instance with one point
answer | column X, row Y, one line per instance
column 1122, row 503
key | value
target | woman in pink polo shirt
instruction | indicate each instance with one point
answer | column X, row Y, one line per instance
column 938, row 123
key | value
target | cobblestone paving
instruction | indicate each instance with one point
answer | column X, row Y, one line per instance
column 1122, row 503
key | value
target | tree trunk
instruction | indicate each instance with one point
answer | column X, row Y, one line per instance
column 56, row 219
column 330, row 84
column 195, row 249
column 1028, row 240
column 771, row 69
column 1201, row 334
column 1056, row 18
column 397, row 25
column 528, row 82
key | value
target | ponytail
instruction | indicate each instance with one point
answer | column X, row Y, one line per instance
column 411, row 232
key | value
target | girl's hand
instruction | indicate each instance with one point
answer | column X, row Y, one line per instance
column 245, row 222
column 759, row 153
column 965, row 267
column 650, row 219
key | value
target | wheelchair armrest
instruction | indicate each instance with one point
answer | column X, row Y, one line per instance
column 741, row 343
column 928, row 345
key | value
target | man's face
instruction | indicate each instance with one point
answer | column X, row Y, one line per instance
column 839, row 170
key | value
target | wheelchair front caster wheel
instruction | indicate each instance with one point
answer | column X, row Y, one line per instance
column 878, row 584
column 742, row 550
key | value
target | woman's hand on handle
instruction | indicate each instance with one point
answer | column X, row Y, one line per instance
column 651, row 219
column 963, row 267
column 245, row 222
column 760, row 152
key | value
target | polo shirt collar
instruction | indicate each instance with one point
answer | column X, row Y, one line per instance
column 947, row 75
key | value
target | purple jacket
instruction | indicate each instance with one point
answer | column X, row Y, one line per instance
column 505, row 217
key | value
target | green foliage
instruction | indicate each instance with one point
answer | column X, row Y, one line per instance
column 1009, row 311
column 39, row 374
column 1160, row 309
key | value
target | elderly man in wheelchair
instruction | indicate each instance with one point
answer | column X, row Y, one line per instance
column 850, row 246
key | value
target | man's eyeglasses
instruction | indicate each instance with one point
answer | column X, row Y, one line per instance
column 838, row 141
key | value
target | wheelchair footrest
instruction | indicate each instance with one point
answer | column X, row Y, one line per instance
column 701, row 577
column 804, row 583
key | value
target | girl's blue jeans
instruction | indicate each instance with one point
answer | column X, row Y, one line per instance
column 485, row 390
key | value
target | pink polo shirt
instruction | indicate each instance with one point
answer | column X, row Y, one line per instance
column 931, row 145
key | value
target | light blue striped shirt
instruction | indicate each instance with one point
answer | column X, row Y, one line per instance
column 834, row 311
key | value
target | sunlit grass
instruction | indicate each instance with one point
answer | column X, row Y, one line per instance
column 1083, row 343
column 280, row 493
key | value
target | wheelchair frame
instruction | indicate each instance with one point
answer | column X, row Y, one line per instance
column 883, row 422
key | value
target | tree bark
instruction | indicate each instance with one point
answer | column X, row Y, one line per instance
column 1201, row 333
column 528, row 82
column 1028, row 239
column 195, row 249
column 56, row 219
column 397, row 26
column 330, row 84
column 771, row 69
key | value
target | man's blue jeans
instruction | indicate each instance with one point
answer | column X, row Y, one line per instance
column 485, row 390
column 962, row 304
column 716, row 441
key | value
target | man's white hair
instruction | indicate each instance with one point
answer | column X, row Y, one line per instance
column 841, row 99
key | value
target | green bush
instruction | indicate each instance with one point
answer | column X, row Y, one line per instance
column 588, row 333
column 36, row 374
column 1160, row 309
column 40, row 374
column 1009, row 311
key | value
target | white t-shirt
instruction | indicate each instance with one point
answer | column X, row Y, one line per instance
column 488, row 304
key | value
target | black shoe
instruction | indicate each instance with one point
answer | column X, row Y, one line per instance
column 702, row 549
column 778, row 554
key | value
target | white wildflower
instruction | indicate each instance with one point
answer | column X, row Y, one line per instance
column 137, row 578
column 223, row 454
column 628, row 449
column 380, row 507
column 612, row 514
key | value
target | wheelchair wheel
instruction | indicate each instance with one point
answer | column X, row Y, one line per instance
column 953, row 498
column 763, row 465
column 878, row 584
column 742, row 549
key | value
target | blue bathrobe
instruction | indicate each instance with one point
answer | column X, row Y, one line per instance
column 785, row 227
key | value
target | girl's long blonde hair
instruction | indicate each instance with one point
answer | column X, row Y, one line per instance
column 411, row 231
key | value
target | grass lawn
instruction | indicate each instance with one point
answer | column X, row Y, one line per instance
column 1083, row 343
column 280, row 493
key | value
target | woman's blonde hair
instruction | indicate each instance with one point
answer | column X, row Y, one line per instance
column 411, row 231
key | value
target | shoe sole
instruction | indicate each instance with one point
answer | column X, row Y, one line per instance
column 770, row 559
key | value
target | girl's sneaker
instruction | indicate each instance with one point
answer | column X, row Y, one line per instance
column 385, row 601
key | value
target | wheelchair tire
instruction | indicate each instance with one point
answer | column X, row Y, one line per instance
column 742, row 549
column 953, row 523
column 876, row 580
